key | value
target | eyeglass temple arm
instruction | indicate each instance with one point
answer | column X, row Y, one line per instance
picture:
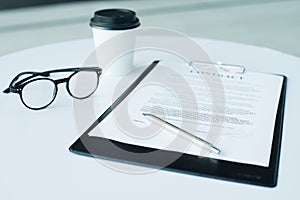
column 14, row 83
column 73, row 69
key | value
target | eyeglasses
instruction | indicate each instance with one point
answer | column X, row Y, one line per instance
column 37, row 90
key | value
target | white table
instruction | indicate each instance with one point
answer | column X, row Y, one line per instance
column 36, row 163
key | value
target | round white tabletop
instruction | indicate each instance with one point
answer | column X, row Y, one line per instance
column 36, row 162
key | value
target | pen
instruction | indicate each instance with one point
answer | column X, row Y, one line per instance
column 182, row 133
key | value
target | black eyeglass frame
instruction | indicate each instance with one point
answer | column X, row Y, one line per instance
column 17, row 86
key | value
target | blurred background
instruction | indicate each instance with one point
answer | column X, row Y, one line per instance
column 273, row 24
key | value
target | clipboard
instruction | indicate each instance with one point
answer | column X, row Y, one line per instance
column 103, row 148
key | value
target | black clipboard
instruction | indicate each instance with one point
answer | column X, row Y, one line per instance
column 207, row 167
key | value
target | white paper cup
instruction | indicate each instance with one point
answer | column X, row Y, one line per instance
column 114, row 39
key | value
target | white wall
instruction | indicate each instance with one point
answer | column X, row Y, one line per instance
column 270, row 23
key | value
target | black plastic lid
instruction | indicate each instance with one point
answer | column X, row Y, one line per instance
column 114, row 19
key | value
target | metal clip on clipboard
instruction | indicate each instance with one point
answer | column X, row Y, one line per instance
column 236, row 69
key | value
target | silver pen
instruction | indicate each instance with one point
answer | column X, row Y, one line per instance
column 183, row 133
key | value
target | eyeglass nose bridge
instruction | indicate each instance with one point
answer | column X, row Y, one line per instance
column 65, row 80
column 62, row 80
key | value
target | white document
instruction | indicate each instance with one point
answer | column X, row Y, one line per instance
column 234, row 112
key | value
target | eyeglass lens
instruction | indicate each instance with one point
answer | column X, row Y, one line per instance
column 39, row 93
column 83, row 84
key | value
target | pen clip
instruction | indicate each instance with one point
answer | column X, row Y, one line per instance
column 236, row 69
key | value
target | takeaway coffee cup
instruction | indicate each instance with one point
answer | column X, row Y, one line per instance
column 114, row 39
